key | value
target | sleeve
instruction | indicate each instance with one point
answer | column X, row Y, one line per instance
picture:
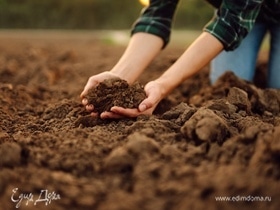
column 157, row 19
column 233, row 21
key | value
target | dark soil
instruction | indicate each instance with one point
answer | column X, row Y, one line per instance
column 203, row 141
column 115, row 92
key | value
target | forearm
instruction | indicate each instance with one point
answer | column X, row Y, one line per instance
column 200, row 53
column 141, row 50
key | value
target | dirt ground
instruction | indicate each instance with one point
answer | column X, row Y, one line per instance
column 203, row 142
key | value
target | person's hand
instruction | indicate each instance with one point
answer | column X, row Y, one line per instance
column 154, row 92
column 92, row 82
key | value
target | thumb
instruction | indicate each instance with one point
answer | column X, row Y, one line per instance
column 142, row 107
column 90, row 84
column 151, row 101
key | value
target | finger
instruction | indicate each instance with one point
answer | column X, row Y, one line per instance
column 89, row 107
column 84, row 93
column 110, row 115
column 147, row 103
column 90, row 84
column 94, row 114
column 125, row 112
column 142, row 107
column 84, row 101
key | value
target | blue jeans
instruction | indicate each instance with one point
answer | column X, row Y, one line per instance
column 242, row 61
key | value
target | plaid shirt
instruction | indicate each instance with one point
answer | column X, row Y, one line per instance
column 231, row 23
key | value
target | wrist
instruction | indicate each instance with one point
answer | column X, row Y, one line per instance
column 163, row 86
column 127, row 71
column 123, row 74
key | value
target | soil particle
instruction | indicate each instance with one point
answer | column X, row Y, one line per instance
column 180, row 113
column 115, row 92
column 275, row 143
column 89, row 121
column 239, row 98
column 119, row 161
column 5, row 137
column 271, row 100
column 139, row 144
column 205, row 125
column 10, row 154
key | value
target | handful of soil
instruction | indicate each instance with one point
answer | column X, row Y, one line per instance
column 115, row 92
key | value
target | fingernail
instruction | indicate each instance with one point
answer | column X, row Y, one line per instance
column 84, row 101
column 89, row 107
column 142, row 107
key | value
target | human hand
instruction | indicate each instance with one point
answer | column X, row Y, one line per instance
column 154, row 92
column 92, row 82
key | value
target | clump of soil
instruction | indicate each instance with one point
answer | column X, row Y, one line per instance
column 115, row 92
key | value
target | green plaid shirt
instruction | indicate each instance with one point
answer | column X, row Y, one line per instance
column 231, row 23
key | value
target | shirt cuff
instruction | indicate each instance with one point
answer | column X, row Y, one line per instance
column 224, row 33
column 151, row 26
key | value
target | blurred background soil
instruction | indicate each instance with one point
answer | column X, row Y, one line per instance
column 202, row 143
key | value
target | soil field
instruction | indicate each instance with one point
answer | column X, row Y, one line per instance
column 205, row 147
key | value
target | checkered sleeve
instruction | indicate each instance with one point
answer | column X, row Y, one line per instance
column 233, row 20
column 157, row 19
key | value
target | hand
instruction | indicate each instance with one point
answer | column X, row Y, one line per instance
column 92, row 82
column 154, row 92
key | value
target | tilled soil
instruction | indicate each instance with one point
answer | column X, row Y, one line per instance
column 203, row 142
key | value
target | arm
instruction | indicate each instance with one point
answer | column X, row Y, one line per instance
column 141, row 50
column 150, row 34
column 233, row 20
column 200, row 53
